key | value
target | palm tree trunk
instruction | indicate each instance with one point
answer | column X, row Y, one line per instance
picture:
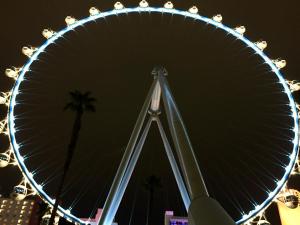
column 150, row 205
column 70, row 153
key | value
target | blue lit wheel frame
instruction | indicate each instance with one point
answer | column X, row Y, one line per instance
column 65, row 212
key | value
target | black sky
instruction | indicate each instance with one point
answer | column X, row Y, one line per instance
column 230, row 103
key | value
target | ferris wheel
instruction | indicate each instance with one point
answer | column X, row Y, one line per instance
column 29, row 186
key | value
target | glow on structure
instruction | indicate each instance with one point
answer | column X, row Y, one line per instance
column 261, row 44
column 289, row 214
column 94, row 11
column 240, row 29
column 144, row 4
column 28, row 51
column 119, row 9
column 47, row 33
column 13, row 72
column 218, row 18
column 70, row 20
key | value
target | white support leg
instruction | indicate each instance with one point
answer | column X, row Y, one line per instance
column 132, row 163
column 180, row 183
column 203, row 209
column 107, row 216
column 182, row 143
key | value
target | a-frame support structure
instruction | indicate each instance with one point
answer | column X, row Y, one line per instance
column 202, row 210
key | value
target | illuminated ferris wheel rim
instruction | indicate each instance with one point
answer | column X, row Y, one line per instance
column 193, row 15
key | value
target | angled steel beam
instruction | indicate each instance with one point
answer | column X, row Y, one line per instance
column 105, row 218
column 203, row 210
column 155, row 111
column 183, row 146
column 127, row 175
column 180, row 183
column 155, row 101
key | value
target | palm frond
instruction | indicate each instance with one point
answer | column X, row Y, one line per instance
column 79, row 101
column 90, row 108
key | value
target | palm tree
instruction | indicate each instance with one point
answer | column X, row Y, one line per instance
column 79, row 104
column 42, row 209
column 151, row 183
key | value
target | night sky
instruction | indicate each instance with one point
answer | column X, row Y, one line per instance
column 232, row 105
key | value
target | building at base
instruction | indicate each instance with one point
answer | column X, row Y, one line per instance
column 170, row 219
column 94, row 221
column 13, row 212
